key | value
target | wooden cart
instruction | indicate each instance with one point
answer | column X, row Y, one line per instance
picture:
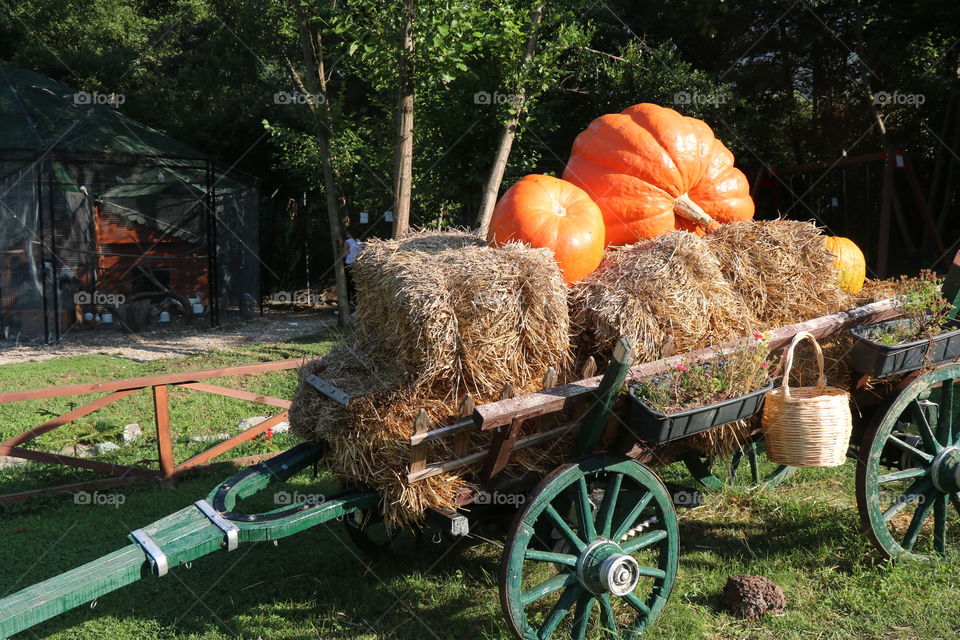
column 590, row 548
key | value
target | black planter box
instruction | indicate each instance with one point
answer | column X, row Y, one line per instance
column 881, row 360
column 653, row 426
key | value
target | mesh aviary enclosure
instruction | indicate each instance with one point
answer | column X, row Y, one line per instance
column 99, row 214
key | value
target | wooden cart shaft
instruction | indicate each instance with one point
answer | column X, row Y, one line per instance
column 182, row 537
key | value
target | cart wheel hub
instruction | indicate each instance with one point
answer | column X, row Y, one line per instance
column 945, row 470
column 603, row 568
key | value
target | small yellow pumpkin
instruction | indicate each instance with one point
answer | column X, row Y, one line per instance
column 849, row 262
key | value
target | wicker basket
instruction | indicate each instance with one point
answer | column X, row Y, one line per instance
column 807, row 426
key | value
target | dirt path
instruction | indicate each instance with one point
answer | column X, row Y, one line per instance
column 155, row 343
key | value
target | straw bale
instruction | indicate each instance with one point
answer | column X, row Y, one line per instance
column 463, row 317
column 666, row 292
column 723, row 440
column 365, row 440
column 781, row 268
column 438, row 316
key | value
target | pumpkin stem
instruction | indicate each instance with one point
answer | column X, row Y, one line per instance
column 690, row 210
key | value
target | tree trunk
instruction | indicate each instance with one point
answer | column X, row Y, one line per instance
column 492, row 187
column 315, row 85
column 865, row 73
column 403, row 151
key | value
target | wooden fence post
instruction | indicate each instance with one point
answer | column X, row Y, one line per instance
column 161, row 410
column 418, row 453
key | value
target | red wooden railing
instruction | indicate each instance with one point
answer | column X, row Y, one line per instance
column 118, row 389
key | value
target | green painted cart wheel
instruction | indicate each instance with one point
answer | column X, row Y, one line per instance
column 908, row 471
column 747, row 466
column 614, row 545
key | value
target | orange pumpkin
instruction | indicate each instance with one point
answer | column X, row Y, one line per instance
column 849, row 262
column 547, row 212
column 652, row 170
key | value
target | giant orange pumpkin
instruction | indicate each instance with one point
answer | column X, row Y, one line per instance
column 547, row 212
column 652, row 170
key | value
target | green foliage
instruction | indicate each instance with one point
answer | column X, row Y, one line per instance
column 924, row 309
column 743, row 370
column 779, row 85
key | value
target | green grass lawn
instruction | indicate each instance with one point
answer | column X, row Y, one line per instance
column 316, row 584
column 803, row 535
column 192, row 413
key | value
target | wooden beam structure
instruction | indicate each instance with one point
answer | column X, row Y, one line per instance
column 149, row 381
column 117, row 390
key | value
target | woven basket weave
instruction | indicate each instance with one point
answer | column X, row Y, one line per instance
column 806, row 426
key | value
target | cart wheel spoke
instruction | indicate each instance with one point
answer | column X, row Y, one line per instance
column 643, row 541
column 955, row 501
column 911, row 435
column 631, row 519
column 639, row 605
column 547, row 587
column 919, row 516
column 548, row 556
column 585, row 510
column 734, row 465
column 902, row 502
column 707, row 473
column 609, row 504
column 651, row 572
column 582, row 617
column 560, row 609
column 906, row 474
column 946, row 413
column 940, row 523
column 752, row 459
column 910, row 448
column 609, row 621
column 565, row 529
column 923, row 426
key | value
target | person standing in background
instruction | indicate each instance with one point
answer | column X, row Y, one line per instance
column 351, row 248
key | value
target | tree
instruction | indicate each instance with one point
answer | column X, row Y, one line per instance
column 492, row 186
column 314, row 86
column 403, row 160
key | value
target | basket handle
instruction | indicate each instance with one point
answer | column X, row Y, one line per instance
column 788, row 361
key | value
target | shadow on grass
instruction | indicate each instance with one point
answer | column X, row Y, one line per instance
column 313, row 584
column 811, row 537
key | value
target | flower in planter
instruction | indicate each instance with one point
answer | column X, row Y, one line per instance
column 692, row 385
column 922, row 304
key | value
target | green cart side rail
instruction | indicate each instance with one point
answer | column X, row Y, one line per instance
column 203, row 528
